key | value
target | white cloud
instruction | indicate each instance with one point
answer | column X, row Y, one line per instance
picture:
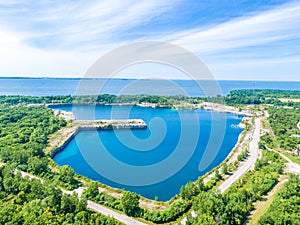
column 18, row 59
column 235, row 49
column 269, row 69
column 81, row 25
column 81, row 32
column 278, row 24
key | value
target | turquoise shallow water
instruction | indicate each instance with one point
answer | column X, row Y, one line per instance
column 90, row 152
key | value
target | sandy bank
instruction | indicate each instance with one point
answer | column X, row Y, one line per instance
column 64, row 114
column 223, row 108
column 184, row 105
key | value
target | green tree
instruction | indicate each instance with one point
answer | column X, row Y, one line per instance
column 205, row 219
column 66, row 174
column 218, row 176
column 21, row 198
column 92, row 191
column 189, row 190
column 130, row 203
column 37, row 165
column 225, row 168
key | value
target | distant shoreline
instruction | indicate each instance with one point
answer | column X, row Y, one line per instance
column 120, row 78
column 204, row 105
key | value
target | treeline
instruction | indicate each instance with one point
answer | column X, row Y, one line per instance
column 285, row 207
column 235, row 205
column 236, row 97
column 17, row 100
column 284, row 125
column 246, row 97
column 129, row 204
column 24, row 201
column 96, row 99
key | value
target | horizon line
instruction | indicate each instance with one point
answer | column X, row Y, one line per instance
column 132, row 78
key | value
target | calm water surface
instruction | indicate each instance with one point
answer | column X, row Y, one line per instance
column 72, row 154
column 87, row 140
column 51, row 86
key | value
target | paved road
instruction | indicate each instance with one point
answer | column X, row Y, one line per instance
column 108, row 212
column 249, row 164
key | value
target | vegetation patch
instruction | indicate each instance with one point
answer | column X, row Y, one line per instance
column 285, row 207
column 235, row 205
column 28, row 201
column 284, row 125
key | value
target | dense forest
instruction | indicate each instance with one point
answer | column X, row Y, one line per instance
column 95, row 99
column 284, row 125
column 24, row 133
column 28, row 201
column 274, row 97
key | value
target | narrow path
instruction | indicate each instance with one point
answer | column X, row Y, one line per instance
column 264, row 204
column 291, row 167
column 249, row 164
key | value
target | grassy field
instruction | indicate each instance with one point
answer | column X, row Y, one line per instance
column 294, row 158
column 289, row 99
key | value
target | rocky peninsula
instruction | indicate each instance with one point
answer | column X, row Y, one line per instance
column 68, row 133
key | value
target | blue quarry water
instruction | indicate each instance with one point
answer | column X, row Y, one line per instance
column 89, row 158
column 159, row 142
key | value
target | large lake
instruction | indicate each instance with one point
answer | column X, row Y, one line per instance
column 91, row 152
column 53, row 86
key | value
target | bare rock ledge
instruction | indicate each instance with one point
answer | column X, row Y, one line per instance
column 84, row 125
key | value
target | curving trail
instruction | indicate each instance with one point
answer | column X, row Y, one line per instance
column 291, row 167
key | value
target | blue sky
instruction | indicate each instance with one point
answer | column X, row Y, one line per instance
column 241, row 40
